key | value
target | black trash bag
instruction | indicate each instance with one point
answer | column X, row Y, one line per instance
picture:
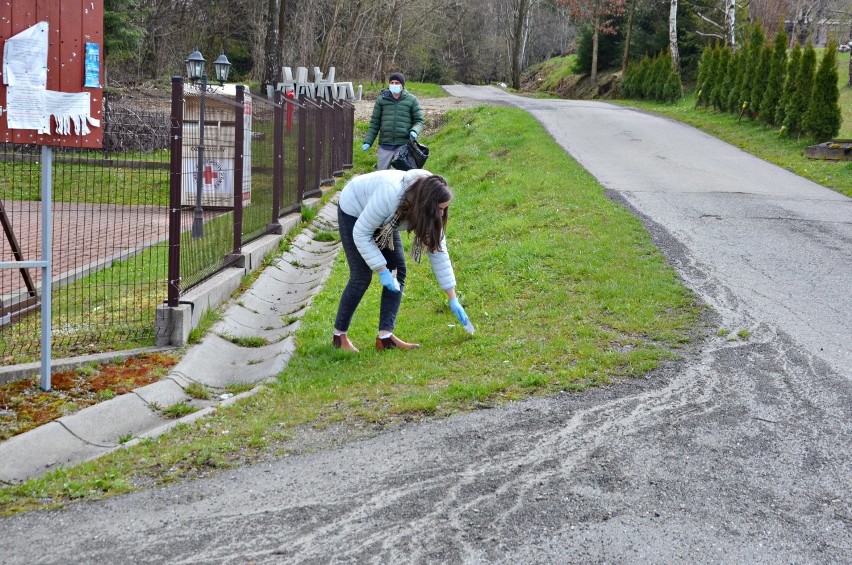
column 410, row 156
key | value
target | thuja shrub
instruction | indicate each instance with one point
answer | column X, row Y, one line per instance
column 822, row 118
column 775, row 80
column 652, row 79
column 673, row 87
column 789, row 85
column 706, row 74
column 759, row 82
column 718, row 94
column 732, row 80
column 795, row 110
column 750, row 63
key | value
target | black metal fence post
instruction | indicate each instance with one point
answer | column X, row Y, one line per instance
column 239, row 145
column 175, row 177
column 278, row 165
column 303, row 150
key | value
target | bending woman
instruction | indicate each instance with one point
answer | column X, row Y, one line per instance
column 372, row 210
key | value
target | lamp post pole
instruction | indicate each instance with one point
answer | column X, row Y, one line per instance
column 195, row 70
column 197, row 214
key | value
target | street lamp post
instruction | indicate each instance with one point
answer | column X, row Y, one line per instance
column 195, row 71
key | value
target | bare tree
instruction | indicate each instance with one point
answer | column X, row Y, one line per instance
column 625, row 56
column 600, row 14
column 271, row 53
column 675, row 53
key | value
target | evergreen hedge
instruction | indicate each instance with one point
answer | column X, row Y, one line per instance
column 822, row 118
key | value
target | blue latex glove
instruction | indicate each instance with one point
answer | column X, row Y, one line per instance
column 365, row 147
column 458, row 310
column 413, row 135
column 388, row 280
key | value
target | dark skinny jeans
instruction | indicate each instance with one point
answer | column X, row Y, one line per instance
column 360, row 276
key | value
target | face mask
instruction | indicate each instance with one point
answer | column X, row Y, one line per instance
column 395, row 88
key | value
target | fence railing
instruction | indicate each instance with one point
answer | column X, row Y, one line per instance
column 123, row 215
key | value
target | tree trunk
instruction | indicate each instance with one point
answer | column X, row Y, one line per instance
column 731, row 16
column 272, row 59
column 283, row 10
column 597, row 23
column 673, row 37
column 518, row 44
column 626, row 54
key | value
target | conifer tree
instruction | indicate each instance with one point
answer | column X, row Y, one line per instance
column 795, row 110
column 732, row 81
column 642, row 79
column 759, row 82
column 751, row 60
column 789, row 85
column 775, row 81
column 717, row 95
column 664, row 64
column 823, row 117
column 705, row 72
column 673, row 88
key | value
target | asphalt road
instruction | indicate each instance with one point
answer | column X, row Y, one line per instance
column 739, row 454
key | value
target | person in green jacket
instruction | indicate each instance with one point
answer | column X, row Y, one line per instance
column 396, row 118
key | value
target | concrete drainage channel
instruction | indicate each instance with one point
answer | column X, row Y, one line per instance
column 266, row 315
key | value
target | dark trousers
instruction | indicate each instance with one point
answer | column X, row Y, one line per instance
column 360, row 276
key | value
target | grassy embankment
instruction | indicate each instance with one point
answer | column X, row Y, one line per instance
column 565, row 287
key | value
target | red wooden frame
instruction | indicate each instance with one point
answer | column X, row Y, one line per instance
column 72, row 24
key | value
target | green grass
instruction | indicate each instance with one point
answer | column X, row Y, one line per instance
column 565, row 287
column 91, row 182
column 419, row 89
column 553, row 70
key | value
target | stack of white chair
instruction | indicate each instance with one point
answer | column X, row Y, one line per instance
column 323, row 87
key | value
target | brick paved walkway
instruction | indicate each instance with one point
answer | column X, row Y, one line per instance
column 84, row 235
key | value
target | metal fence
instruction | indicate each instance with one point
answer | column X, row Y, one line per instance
column 130, row 231
column 109, row 244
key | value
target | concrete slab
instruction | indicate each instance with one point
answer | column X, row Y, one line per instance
column 292, row 276
column 179, row 379
column 164, row 393
column 103, row 424
column 244, row 317
column 232, row 327
column 42, row 449
column 285, row 304
column 255, row 251
column 217, row 362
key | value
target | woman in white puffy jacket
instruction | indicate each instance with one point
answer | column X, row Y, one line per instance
column 372, row 210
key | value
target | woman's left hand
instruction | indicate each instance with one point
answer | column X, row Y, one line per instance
column 458, row 310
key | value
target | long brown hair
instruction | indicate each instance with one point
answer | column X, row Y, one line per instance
column 419, row 205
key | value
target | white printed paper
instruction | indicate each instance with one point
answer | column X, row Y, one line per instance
column 25, row 58
column 25, row 108
column 71, row 110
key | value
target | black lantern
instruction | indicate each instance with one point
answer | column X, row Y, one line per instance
column 221, row 66
column 195, row 66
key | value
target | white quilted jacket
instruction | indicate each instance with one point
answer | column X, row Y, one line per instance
column 373, row 198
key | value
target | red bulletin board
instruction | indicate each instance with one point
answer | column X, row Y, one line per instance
column 72, row 24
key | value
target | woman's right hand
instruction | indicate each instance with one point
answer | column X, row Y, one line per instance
column 365, row 147
column 388, row 280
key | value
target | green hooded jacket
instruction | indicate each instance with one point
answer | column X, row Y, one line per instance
column 393, row 119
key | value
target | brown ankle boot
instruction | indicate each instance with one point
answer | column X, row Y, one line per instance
column 391, row 342
column 342, row 342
